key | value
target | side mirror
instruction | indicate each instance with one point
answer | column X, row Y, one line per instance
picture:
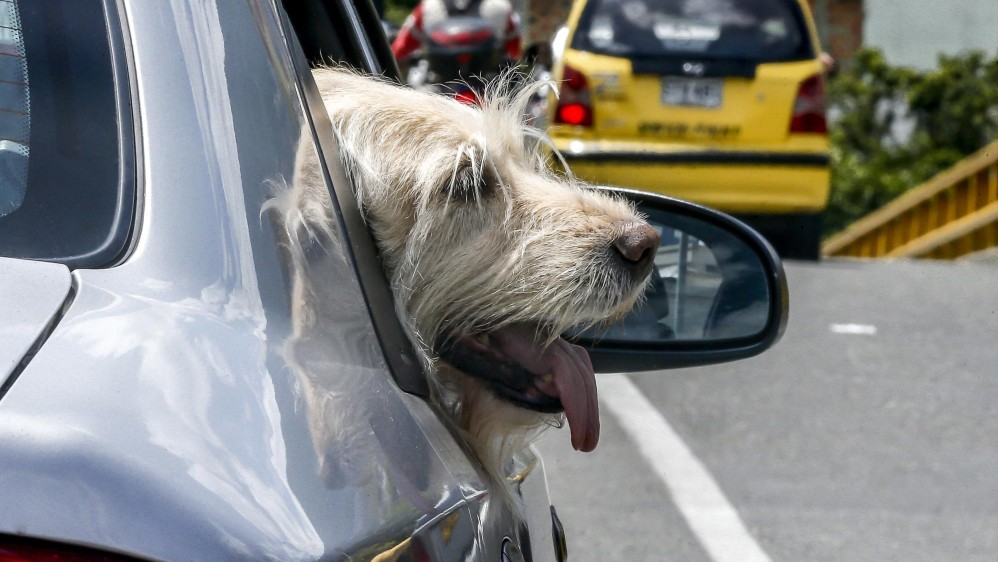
column 718, row 293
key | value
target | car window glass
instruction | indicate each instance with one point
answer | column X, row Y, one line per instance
column 747, row 30
column 61, row 188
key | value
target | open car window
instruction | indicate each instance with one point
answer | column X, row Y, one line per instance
column 66, row 189
column 337, row 33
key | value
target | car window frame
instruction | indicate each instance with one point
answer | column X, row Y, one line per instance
column 130, row 172
column 355, row 22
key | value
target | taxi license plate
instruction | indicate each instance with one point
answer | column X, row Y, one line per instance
column 697, row 92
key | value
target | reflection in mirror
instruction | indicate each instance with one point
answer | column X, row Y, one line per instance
column 707, row 284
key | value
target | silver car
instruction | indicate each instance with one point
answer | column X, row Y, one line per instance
column 151, row 377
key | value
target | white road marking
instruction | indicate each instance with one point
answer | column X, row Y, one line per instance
column 697, row 496
column 853, row 329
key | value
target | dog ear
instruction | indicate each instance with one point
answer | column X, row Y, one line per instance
column 472, row 181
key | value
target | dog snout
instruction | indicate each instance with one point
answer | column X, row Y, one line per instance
column 636, row 245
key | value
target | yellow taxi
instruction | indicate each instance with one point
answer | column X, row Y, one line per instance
column 720, row 102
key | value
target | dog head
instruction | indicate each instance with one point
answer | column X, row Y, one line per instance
column 491, row 256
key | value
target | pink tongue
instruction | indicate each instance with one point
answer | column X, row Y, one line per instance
column 573, row 380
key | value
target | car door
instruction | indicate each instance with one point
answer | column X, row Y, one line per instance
column 164, row 401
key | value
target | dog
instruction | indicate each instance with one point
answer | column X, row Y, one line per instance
column 490, row 255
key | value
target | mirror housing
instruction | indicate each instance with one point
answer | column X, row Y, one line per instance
column 739, row 262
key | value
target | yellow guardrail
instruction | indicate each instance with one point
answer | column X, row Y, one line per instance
column 953, row 214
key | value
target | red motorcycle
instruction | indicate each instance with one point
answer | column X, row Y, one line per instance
column 459, row 56
column 462, row 53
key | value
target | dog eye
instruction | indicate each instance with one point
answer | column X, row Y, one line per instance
column 469, row 186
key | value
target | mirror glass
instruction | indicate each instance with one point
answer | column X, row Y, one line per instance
column 707, row 285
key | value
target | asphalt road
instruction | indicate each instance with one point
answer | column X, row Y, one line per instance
column 869, row 433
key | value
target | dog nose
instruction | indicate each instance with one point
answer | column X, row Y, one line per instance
column 636, row 244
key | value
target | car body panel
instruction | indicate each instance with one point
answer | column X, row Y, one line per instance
column 31, row 295
column 181, row 433
column 738, row 157
column 164, row 416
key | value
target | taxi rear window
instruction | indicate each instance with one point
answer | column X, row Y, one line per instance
column 739, row 30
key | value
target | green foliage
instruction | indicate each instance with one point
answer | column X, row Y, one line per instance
column 397, row 10
column 895, row 127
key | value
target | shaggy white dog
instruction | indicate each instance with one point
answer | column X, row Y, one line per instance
column 491, row 257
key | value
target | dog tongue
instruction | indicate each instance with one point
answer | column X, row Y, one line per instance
column 572, row 378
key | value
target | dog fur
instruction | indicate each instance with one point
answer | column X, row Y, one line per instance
column 478, row 239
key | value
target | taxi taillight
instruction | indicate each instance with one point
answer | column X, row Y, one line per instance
column 809, row 107
column 575, row 105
